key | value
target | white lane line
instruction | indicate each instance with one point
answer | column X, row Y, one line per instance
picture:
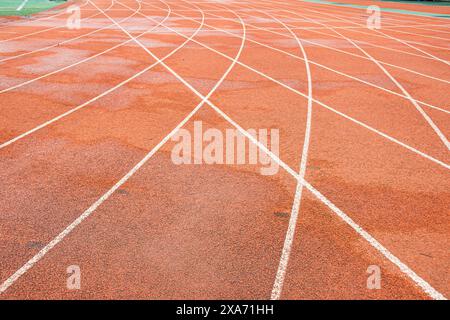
column 339, row 72
column 289, row 238
column 384, row 35
column 345, row 52
column 86, row 59
column 386, row 26
column 420, row 153
column 419, row 281
column 315, row 43
column 27, row 266
column 59, row 43
column 426, row 287
column 347, row 27
column 393, row 16
column 65, row 114
column 60, row 12
column 315, row 30
column 52, row 28
column 20, row 7
column 384, row 135
column 427, row 118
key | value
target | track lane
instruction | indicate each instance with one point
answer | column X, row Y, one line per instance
column 38, row 16
column 57, row 115
column 426, row 117
column 282, row 84
column 61, row 171
column 126, row 177
column 218, row 292
column 39, row 32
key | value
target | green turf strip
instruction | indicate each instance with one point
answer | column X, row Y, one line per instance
column 9, row 7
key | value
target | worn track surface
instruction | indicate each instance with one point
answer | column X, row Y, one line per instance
column 81, row 108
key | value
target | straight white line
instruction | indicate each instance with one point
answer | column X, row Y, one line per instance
column 37, row 19
column 384, row 135
column 339, row 72
column 47, row 123
column 405, row 92
column 63, row 42
column 24, row 2
column 86, row 59
column 419, row 281
column 384, row 35
column 103, row 198
column 290, row 232
column 48, row 29
column 355, row 55
column 427, row 288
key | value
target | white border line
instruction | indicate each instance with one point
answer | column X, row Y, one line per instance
column 19, row 85
column 290, row 232
column 51, row 28
column 23, row 4
column 426, row 287
column 427, row 118
column 105, row 196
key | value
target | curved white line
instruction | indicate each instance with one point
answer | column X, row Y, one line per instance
column 39, row 19
column 57, row 44
column 356, row 55
column 316, row 30
column 289, row 239
column 27, row 266
column 364, row 125
column 65, row 114
column 83, row 60
column 51, row 28
column 427, row 118
column 427, row 288
column 387, row 15
column 390, row 26
column 339, row 72
column 290, row 232
column 383, row 35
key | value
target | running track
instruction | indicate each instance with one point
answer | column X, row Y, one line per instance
column 85, row 151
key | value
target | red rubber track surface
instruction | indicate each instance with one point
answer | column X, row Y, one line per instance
column 219, row 231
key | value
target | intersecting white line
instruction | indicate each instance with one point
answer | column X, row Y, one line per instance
column 48, row 29
column 337, row 71
column 384, row 35
column 289, row 239
column 426, row 287
column 65, row 114
column 427, row 118
column 417, row 279
column 384, row 135
column 13, row 87
column 60, row 43
column 124, row 179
